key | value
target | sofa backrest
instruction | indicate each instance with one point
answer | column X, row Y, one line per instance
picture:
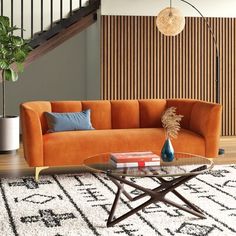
column 35, row 109
column 118, row 114
column 100, row 111
column 183, row 107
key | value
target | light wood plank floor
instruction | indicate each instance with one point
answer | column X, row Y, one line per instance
column 15, row 165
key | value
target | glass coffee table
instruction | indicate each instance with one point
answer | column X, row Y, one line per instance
column 184, row 167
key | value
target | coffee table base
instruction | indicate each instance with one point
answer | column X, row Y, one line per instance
column 156, row 195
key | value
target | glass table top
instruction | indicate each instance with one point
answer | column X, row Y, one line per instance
column 183, row 164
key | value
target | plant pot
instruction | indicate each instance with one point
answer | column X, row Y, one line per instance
column 167, row 152
column 9, row 134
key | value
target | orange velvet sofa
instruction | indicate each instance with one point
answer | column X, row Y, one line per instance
column 121, row 125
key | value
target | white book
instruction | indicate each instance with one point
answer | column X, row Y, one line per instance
column 134, row 164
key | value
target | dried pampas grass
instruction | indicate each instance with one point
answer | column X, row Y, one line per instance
column 171, row 122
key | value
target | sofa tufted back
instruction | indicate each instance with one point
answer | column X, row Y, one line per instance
column 118, row 114
column 125, row 114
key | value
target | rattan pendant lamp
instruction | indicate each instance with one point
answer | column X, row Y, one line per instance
column 171, row 22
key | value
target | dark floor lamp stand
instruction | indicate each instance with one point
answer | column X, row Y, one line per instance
column 217, row 91
column 171, row 22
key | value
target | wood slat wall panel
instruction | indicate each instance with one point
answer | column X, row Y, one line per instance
column 139, row 62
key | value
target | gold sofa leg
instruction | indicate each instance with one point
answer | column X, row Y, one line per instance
column 38, row 170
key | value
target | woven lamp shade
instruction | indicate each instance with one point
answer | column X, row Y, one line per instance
column 170, row 21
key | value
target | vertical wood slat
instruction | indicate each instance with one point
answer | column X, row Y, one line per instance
column 139, row 62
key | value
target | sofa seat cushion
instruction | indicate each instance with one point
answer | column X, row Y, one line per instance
column 72, row 147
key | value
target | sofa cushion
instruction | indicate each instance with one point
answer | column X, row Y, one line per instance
column 184, row 107
column 100, row 113
column 73, row 147
column 66, row 106
column 125, row 114
column 68, row 121
column 151, row 112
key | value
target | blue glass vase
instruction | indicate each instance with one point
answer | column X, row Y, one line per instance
column 167, row 152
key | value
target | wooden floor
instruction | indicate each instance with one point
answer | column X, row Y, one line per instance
column 15, row 165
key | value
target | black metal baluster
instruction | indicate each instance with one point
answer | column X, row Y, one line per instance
column 22, row 18
column 51, row 13
column 32, row 18
column 61, row 10
column 41, row 15
column 80, row 3
column 70, row 7
column 1, row 7
column 12, row 12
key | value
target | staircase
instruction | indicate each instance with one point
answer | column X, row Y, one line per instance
column 48, row 23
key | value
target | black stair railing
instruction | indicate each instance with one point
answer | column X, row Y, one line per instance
column 76, row 10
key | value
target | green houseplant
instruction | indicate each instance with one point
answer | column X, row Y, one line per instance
column 13, row 52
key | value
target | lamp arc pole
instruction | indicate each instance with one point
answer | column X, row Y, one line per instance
column 217, row 80
column 161, row 24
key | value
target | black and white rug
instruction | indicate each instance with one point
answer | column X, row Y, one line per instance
column 78, row 205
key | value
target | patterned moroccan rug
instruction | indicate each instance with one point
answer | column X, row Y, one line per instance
column 78, row 205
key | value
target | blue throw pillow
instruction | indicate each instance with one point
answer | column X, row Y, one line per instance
column 68, row 121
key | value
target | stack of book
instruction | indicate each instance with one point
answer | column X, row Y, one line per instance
column 134, row 159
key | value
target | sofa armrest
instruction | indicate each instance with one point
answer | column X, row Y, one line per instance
column 32, row 131
column 206, row 121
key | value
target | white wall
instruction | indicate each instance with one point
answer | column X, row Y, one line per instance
column 209, row 8
column 93, row 60
column 69, row 72
column 58, row 75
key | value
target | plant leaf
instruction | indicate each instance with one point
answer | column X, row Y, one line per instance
column 13, row 49
column 11, row 29
column 7, row 74
column 17, row 41
column 20, row 67
column 19, row 56
column 3, row 30
column 15, row 76
column 3, row 50
column 10, row 75
column 4, row 20
column 3, row 64
column 4, row 24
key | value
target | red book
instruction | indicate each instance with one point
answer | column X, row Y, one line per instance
column 140, row 157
